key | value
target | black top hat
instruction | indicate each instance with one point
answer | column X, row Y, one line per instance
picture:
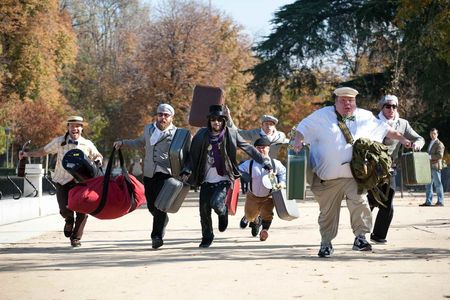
column 216, row 111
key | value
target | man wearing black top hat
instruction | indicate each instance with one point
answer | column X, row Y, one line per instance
column 212, row 165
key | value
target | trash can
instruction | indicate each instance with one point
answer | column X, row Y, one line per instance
column 33, row 185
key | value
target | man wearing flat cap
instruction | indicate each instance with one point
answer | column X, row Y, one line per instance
column 268, row 129
column 259, row 203
column 74, row 225
column 388, row 106
column 329, row 132
column 212, row 165
column 156, row 140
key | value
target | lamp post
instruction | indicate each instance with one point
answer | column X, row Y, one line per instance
column 7, row 133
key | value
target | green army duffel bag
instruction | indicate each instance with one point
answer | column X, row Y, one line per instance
column 416, row 168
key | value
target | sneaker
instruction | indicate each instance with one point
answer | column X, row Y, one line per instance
column 223, row 222
column 157, row 242
column 68, row 227
column 255, row 226
column 425, row 204
column 326, row 250
column 361, row 244
column 377, row 239
column 438, row 204
column 263, row 235
column 243, row 223
column 206, row 242
column 75, row 243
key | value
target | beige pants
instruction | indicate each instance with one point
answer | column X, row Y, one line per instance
column 329, row 194
column 258, row 206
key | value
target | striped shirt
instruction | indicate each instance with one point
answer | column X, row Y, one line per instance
column 61, row 176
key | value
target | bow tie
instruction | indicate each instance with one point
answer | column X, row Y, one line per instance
column 349, row 118
column 72, row 142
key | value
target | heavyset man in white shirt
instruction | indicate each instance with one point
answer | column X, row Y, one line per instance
column 330, row 159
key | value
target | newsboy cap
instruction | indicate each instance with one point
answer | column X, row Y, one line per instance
column 346, row 92
column 165, row 108
column 262, row 141
column 388, row 99
column 269, row 118
column 75, row 120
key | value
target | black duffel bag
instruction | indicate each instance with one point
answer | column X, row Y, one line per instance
column 80, row 166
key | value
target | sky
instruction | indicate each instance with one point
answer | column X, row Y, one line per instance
column 254, row 15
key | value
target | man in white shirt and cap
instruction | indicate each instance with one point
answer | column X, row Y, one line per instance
column 331, row 155
column 268, row 130
column 156, row 140
column 74, row 221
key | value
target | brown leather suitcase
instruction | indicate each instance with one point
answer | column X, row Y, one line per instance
column 202, row 99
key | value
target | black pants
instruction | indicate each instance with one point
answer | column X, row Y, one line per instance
column 62, row 195
column 212, row 196
column 152, row 188
column 384, row 215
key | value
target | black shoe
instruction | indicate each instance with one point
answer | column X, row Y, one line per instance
column 68, row 227
column 438, row 204
column 326, row 250
column 206, row 242
column 243, row 223
column 75, row 243
column 255, row 226
column 377, row 239
column 223, row 221
column 425, row 204
column 157, row 242
column 361, row 244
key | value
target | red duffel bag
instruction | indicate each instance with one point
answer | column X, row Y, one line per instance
column 107, row 197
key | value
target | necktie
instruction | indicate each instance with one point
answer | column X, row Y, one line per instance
column 72, row 142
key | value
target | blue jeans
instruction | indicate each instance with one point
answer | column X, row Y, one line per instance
column 436, row 180
column 212, row 197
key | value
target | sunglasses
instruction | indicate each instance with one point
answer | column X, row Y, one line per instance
column 213, row 119
column 166, row 115
column 389, row 106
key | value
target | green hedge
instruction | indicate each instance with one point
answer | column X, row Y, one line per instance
column 7, row 171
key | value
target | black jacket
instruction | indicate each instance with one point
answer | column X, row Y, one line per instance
column 198, row 155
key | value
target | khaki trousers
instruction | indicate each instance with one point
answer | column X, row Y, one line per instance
column 329, row 194
column 258, row 206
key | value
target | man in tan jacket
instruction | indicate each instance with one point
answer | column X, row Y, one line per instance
column 436, row 152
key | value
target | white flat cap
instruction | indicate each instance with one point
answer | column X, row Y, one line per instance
column 346, row 92
column 165, row 108
column 269, row 118
column 388, row 99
